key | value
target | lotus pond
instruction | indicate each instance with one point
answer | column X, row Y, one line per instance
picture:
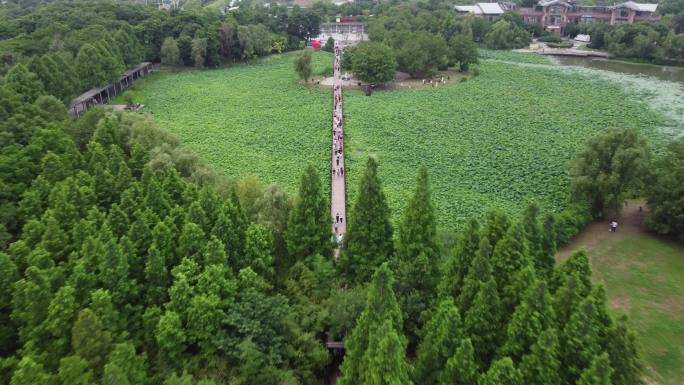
column 499, row 140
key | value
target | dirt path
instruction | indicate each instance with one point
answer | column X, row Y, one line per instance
column 630, row 222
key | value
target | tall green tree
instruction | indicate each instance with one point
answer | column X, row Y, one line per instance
column 624, row 355
column 480, row 272
column 502, row 372
column 441, row 336
column 386, row 358
column 579, row 342
column 533, row 316
column 456, row 266
column 90, row 66
column 374, row 63
column 30, row 372
column 665, row 191
column 368, row 241
column 482, row 323
column 462, row 51
column 599, row 373
column 129, row 46
column 24, row 83
column 417, row 255
column 170, row 55
column 614, row 162
column 302, row 65
column 542, row 366
column 309, row 230
column 380, row 313
column 461, row 369
column 74, row 370
column 90, row 340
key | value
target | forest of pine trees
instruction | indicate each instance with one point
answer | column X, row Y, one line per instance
column 125, row 260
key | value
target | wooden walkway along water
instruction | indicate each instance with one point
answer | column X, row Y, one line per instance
column 337, row 199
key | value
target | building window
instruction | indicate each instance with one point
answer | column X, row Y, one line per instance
column 624, row 13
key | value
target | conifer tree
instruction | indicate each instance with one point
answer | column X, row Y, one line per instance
column 579, row 342
column 457, row 264
column 502, row 372
column 156, row 279
column 258, row 246
column 483, row 323
column 215, row 253
column 170, row 54
column 90, row 66
column 480, row 272
column 386, row 358
column 24, row 83
column 90, row 340
column 534, row 236
column 567, row 299
column 548, row 246
column 495, row 226
column 46, row 71
column 418, row 228
column 533, row 316
column 132, row 366
column 309, row 230
column 61, row 313
column 417, row 256
column 368, row 241
column 623, row 354
column 578, row 264
column 74, row 370
column 170, row 336
column 192, row 241
column 30, row 372
column 224, row 231
column 599, row 373
column 541, row 366
column 510, row 256
column 9, row 274
column 129, row 46
column 441, row 336
column 461, row 369
column 381, row 306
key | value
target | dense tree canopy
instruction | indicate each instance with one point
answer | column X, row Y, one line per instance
column 614, row 162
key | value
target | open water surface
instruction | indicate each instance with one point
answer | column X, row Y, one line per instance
column 673, row 74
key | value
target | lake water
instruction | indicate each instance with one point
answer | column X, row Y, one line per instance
column 674, row 74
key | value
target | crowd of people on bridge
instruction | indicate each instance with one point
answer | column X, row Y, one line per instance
column 337, row 164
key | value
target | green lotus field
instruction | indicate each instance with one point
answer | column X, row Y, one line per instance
column 500, row 140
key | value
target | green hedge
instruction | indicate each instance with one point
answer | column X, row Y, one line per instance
column 550, row 39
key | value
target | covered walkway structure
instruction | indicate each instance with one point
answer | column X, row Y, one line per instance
column 104, row 94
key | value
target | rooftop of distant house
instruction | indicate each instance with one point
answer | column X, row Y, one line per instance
column 497, row 9
column 481, row 9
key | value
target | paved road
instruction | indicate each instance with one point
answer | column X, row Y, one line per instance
column 337, row 202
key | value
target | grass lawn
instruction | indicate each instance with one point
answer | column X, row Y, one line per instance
column 247, row 119
column 500, row 140
column 644, row 278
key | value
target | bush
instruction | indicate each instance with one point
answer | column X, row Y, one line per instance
column 566, row 44
column 550, row 39
column 476, row 71
column 128, row 97
column 329, row 45
column 570, row 222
